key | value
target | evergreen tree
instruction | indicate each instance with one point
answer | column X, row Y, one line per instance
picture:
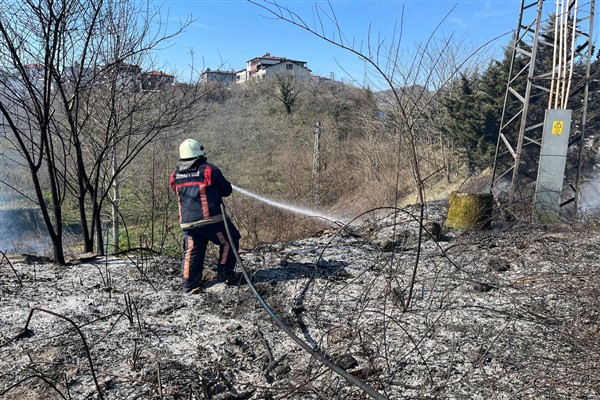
column 472, row 121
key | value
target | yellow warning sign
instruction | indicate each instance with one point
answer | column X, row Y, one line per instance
column 557, row 127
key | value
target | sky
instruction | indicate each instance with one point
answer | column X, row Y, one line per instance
column 225, row 34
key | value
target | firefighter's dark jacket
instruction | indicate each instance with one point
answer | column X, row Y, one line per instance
column 199, row 186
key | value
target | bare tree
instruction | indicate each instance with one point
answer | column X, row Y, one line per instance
column 407, row 87
column 288, row 87
column 74, row 109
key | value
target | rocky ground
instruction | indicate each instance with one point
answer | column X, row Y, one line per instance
column 511, row 312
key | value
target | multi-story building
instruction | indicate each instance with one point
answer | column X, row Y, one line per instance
column 267, row 65
column 126, row 77
column 36, row 74
column 155, row 80
column 35, row 71
column 218, row 77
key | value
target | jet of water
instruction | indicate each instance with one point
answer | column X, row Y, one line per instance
column 294, row 209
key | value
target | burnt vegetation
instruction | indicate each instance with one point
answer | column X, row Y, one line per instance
column 402, row 306
column 501, row 313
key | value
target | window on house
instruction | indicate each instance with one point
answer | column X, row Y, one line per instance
column 289, row 66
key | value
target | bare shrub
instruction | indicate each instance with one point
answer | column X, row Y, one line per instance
column 259, row 223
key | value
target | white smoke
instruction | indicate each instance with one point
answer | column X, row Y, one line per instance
column 589, row 189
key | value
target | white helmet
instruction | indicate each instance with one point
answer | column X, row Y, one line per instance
column 190, row 148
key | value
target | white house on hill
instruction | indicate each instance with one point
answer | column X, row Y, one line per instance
column 259, row 67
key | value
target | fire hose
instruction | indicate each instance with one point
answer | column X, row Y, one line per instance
column 314, row 353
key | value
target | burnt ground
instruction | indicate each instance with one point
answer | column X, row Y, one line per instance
column 511, row 312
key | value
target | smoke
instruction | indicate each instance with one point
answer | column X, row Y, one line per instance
column 589, row 196
column 21, row 232
column 291, row 208
column 588, row 199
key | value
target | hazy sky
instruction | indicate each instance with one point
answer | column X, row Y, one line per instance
column 225, row 34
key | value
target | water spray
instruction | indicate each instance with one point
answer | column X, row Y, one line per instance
column 294, row 209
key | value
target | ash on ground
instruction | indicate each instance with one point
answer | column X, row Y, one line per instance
column 512, row 312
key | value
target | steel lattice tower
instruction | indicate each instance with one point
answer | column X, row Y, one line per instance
column 531, row 80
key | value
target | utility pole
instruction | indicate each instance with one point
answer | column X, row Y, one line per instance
column 317, row 164
column 521, row 138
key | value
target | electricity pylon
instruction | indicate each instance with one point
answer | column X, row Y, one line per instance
column 534, row 82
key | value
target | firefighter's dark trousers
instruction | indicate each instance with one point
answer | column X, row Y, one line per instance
column 195, row 241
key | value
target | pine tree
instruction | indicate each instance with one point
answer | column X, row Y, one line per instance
column 472, row 122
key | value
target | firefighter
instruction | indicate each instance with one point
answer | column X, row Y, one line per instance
column 200, row 187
